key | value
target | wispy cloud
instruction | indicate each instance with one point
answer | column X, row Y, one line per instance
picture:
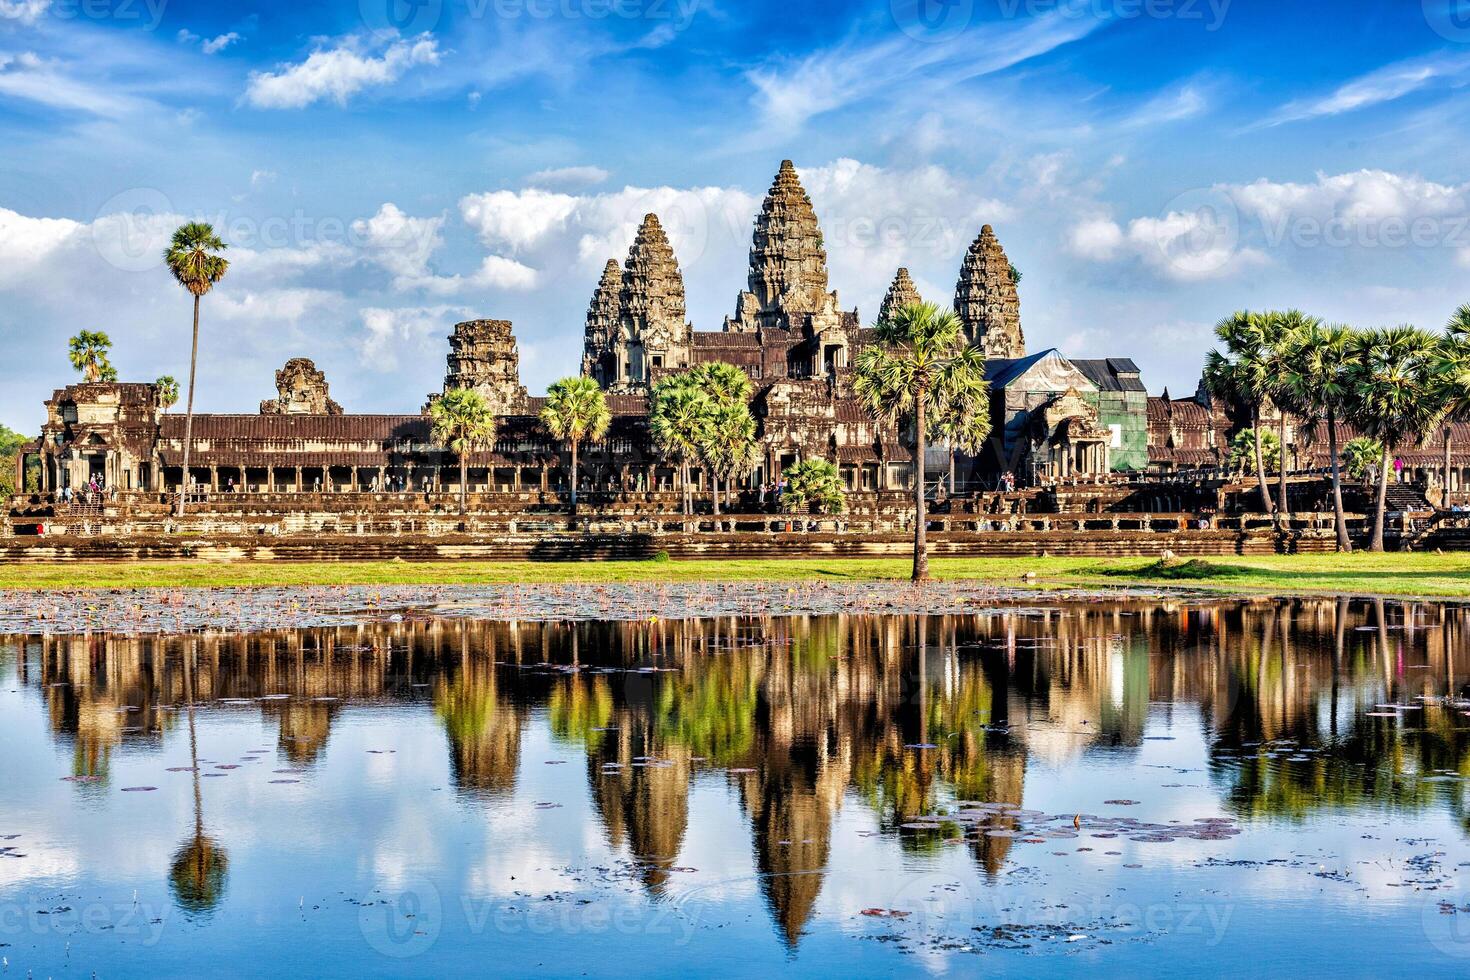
column 788, row 94
column 1386, row 84
column 29, row 77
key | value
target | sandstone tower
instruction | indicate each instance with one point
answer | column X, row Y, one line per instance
column 986, row 299
column 483, row 356
column 645, row 331
column 598, row 361
column 301, row 389
column 902, row 293
column 788, row 264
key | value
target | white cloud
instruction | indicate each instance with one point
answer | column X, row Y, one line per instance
column 495, row 272
column 398, row 242
column 27, row 243
column 259, row 178
column 387, row 332
column 218, row 44
column 274, row 306
column 516, row 219
column 1359, row 198
column 338, row 73
column 1387, row 84
column 1096, row 238
column 568, row 177
column 25, row 12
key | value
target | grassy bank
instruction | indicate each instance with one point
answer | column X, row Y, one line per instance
column 1395, row 574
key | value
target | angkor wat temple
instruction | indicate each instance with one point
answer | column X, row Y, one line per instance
column 1055, row 419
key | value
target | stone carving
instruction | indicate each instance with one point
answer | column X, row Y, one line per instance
column 483, row 356
column 301, row 390
column 603, row 312
column 788, row 265
column 902, row 293
column 987, row 301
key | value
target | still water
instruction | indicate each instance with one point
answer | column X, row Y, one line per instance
column 1180, row 788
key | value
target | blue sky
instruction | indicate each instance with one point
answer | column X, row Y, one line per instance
column 383, row 168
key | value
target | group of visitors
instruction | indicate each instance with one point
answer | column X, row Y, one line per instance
column 94, row 491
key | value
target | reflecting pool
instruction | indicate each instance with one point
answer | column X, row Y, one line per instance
column 1162, row 788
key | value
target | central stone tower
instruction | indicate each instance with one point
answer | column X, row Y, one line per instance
column 788, row 264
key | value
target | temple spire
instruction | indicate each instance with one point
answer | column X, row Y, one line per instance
column 987, row 301
column 902, row 293
column 788, row 259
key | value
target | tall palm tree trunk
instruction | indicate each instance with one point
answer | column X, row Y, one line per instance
column 189, row 410
column 1260, row 460
column 574, row 474
column 1449, row 442
column 464, row 478
column 714, row 487
column 1283, row 506
column 1344, row 543
column 921, row 542
column 1382, row 505
column 951, row 469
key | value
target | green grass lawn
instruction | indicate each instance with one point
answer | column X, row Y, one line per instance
column 1393, row 574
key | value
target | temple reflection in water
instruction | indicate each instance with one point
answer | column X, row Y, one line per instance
column 804, row 716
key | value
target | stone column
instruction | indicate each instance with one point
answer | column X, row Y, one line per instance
column 298, row 479
column 214, row 479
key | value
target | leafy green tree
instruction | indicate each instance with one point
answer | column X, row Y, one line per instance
column 11, row 443
column 462, row 421
column 168, row 391
column 1241, row 375
column 1393, row 377
column 919, row 365
column 1359, row 455
column 88, row 351
column 813, row 483
column 194, row 260
column 1243, row 451
column 679, row 421
column 1316, row 385
column 576, row 411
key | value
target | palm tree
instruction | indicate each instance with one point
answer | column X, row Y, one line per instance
column 729, row 389
column 1239, row 375
column 168, row 392
column 920, row 363
column 1283, row 331
column 200, row 867
column 576, row 411
column 1242, row 451
column 964, row 427
column 462, row 421
column 1316, row 384
column 193, row 258
column 1392, row 375
column 730, row 448
column 88, row 354
column 679, row 420
column 1454, row 383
